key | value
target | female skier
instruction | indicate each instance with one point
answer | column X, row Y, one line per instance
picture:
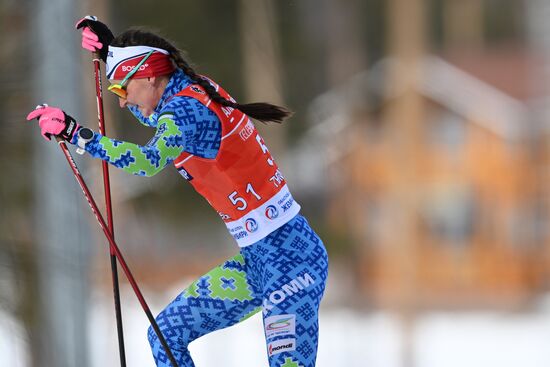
column 282, row 264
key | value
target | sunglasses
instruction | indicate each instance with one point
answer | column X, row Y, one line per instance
column 120, row 88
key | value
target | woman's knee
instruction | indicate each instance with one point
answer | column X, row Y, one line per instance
column 164, row 327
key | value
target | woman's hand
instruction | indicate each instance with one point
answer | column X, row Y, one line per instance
column 96, row 36
column 53, row 121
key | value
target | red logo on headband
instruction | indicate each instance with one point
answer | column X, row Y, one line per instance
column 157, row 64
column 127, row 69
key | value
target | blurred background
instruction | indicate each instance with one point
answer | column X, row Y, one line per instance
column 418, row 150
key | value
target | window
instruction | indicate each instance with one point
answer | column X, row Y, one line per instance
column 450, row 213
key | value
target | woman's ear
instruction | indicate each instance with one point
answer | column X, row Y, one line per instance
column 154, row 81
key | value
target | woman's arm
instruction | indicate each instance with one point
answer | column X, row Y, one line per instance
column 184, row 124
column 147, row 160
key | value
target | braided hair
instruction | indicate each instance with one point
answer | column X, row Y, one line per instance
column 263, row 112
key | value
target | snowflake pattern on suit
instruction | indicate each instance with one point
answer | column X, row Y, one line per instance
column 284, row 275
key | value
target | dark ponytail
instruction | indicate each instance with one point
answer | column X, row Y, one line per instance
column 263, row 112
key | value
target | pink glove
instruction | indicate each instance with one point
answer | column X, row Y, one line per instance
column 53, row 121
column 96, row 36
column 90, row 40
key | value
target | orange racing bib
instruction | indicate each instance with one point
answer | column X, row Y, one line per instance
column 243, row 183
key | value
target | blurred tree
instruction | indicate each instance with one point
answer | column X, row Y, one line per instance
column 503, row 22
column 538, row 34
column 346, row 47
column 261, row 67
column 18, row 260
column 463, row 21
column 407, row 45
column 59, row 214
column 476, row 23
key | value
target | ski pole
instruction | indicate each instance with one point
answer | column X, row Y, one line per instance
column 115, row 249
column 108, row 206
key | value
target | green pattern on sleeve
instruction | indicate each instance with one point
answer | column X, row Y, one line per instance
column 166, row 145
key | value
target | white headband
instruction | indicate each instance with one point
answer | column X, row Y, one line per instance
column 119, row 55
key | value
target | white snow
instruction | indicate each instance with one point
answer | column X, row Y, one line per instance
column 348, row 338
column 13, row 346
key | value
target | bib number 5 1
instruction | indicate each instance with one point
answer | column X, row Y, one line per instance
column 241, row 202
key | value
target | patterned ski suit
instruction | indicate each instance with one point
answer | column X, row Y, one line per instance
column 282, row 264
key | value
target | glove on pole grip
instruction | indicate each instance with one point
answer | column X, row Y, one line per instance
column 104, row 34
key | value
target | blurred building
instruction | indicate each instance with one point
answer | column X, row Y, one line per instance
column 480, row 222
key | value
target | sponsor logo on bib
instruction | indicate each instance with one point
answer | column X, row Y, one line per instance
column 271, row 212
column 251, row 225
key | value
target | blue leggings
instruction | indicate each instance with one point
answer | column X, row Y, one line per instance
column 284, row 275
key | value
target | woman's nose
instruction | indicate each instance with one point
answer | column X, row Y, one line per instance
column 122, row 102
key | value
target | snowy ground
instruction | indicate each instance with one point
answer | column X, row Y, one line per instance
column 350, row 339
